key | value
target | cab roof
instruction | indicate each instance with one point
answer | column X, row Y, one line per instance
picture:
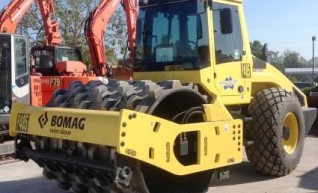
column 239, row 1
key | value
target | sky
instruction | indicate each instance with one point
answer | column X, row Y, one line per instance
column 283, row 24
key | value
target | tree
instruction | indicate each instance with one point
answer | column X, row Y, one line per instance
column 257, row 51
column 116, row 37
column 72, row 16
column 279, row 64
column 292, row 59
column 32, row 25
column 257, row 48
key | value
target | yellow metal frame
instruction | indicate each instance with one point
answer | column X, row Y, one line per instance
column 141, row 136
column 38, row 122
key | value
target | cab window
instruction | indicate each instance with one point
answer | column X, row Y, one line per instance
column 228, row 46
column 21, row 57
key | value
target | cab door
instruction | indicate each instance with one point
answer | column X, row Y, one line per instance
column 230, row 66
column 20, row 69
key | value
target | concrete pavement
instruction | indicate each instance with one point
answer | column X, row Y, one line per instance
column 27, row 178
column 304, row 179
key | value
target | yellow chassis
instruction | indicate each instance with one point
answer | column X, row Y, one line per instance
column 141, row 136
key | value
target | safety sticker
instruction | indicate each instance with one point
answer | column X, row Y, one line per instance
column 22, row 122
column 229, row 83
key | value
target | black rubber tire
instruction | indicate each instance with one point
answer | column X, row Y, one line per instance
column 145, row 96
column 268, row 110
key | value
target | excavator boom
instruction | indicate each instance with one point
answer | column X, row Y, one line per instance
column 131, row 19
column 95, row 30
column 14, row 12
column 12, row 15
column 51, row 25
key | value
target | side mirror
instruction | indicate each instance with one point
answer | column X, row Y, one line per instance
column 265, row 53
column 226, row 21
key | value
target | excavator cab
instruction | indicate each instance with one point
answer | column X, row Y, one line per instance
column 47, row 57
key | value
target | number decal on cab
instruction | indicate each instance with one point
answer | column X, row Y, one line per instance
column 55, row 82
column 246, row 70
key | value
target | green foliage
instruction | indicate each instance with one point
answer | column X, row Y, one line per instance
column 257, row 51
column 278, row 63
column 116, row 37
column 111, row 57
column 256, row 47
column 31, row 25
column 86, row 56
column 307, row 90
column 293, row 59
column 72, row 16
column 288, row 59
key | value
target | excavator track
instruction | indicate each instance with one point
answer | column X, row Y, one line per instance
column 94, row 168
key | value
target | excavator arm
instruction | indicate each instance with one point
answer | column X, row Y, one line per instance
column 131, row 19
column 14, row 12
column 95, row 30
column 51, row 25
column 12, row 15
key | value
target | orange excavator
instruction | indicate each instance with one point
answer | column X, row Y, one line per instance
column 11, row 16
column 48, row 58
column 95, row 30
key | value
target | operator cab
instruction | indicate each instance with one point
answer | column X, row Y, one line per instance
column 174, row 35
column 199, row 36
column 47, row 57
column 171, row 37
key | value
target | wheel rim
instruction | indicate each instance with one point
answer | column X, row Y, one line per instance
column 290, row 133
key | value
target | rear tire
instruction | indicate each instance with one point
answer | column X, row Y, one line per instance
column 277, row 130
